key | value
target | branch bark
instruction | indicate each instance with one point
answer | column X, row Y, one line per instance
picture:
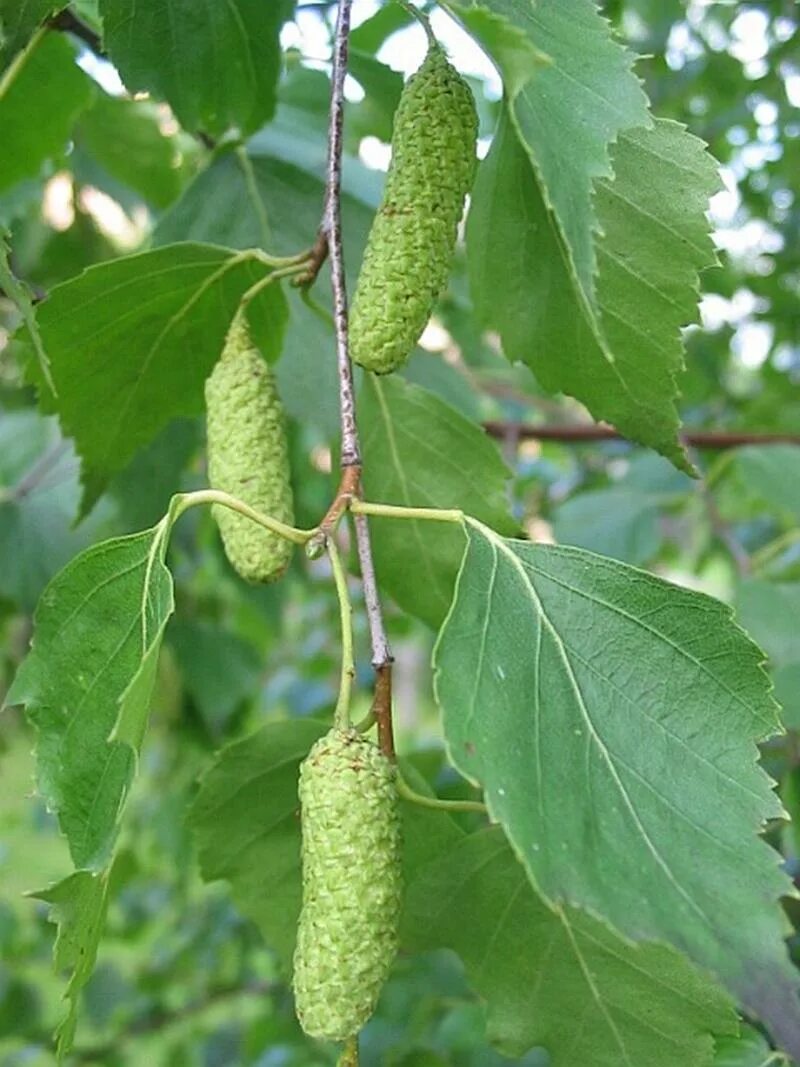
column 524, row 431
column 350, row 485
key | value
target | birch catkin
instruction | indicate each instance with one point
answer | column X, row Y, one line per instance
column 411, row 243
column 248, row 456
column 352, row 884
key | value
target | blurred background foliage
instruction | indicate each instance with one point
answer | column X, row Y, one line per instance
column 182, row 978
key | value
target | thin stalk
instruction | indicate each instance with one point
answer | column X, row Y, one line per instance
column 760, row 559
column 341, row 714
column 273, row 276
column 436, row 803
column 421, row 18
column 394, row 511
column 181, row 502
column 351, row 452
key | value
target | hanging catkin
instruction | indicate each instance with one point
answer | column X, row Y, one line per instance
column 248, row 455
column 352, row 883
column 411, row 243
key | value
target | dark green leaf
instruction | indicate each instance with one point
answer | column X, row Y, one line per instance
column 38, row 107
column 419, row 452
column 132, row 341
column 18, row 20
column 220, row 670
column 262, row 200
column 125, row 137
column 631, row 786
column 39, row 494
column 20, row 294
column 560, row 979
column 142, row 491
column 217, row 65
column 247, row 825
column 88, row 677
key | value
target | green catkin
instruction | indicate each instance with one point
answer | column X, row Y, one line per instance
column 352, row 883
column 411, row 243
column 248, row 456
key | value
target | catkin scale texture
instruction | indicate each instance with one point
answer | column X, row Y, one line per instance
column 410, row 247
column 352, row 884
column 248, row 456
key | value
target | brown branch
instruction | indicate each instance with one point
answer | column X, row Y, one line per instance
column 68, row 22
column 351, row 451
column 598, row 432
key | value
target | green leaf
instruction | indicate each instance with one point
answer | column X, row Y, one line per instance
column 217, row 65
column 142, row 491
column 261, row 200
column 568, row 107
column 420, row 452
column 78, row 905
column 20, row 294
column 631, row 787
column 18, row 21
column 219, row 668
column 88, row 677
column 622, row 357
column 748, row 1050
column 616, row 522
column 374, row 115
column 132, row 341
column 125, row 137
column 247, row 827
column 772, row 472
column 39, row 494
column 560, row 979
column 40, row 98
column 769, row 611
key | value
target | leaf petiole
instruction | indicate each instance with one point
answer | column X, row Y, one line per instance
column 436, row 803
column 181, row 502
column 394, row 511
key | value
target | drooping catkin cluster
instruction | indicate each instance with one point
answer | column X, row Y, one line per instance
column 352, row 884
column 248, row 455
column 411, row 243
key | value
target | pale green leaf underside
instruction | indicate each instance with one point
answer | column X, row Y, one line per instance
column 78, row 905
column 748, row 1050
column 560, row 979
column 621, row 358
column 132, row 341
column 772, row 472
column 90, row 671
column 569, row 110
column 420, row 452
column 632, row 786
